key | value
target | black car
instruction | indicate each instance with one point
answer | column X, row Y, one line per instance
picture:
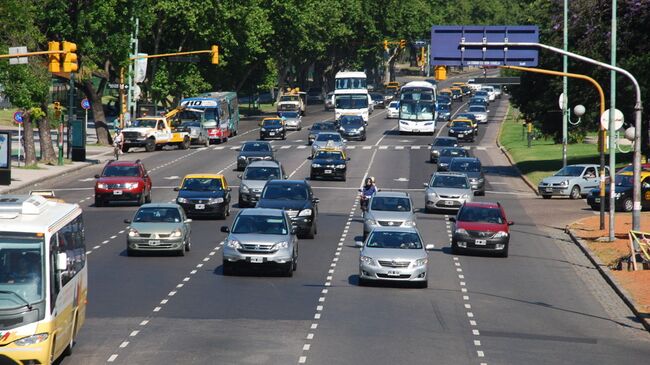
column 297, row 199
column 447, row 153
column 443, row 100
column 272, row 128
column 378, row 100
column 253, row 151
column 320, row 127
column 462, row 130
column 623, row 198
column 352, row 127
column 330, row 164
column 440, row 143
column 202, row 195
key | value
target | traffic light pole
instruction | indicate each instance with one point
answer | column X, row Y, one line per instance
column 70, row 114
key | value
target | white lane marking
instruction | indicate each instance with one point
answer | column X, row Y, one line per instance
column 285, row 147
column 144, row 323
column 112, row 358
column 124, row 344
column 134, row 333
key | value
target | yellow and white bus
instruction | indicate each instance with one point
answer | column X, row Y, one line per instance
column 43, row 278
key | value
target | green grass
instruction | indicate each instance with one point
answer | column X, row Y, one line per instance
column 262, row 109
column 7, row 117
column 545, row 156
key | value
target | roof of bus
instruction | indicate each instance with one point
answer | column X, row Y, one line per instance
column 34, row 214
column 418, row 84
column 350, row 91
column 356, row 74
column 219, row 95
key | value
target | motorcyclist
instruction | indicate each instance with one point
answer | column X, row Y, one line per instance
column 368, row 191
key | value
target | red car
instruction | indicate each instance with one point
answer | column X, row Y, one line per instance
column 123, row 181
column 481, row 226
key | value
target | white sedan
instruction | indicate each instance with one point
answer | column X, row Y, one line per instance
column 392, row 111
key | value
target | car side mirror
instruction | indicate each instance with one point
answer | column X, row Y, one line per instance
column 426, row 185
column 510, row 223
column 239, row 176
column 229, row 189
column 429, row 247
column 177, row 188
column 345, row 140
column 452, row 219
column 365, row 123
column 310, row 158
column 61, row 261
column 285, row 177
column 225, row 229
column 96, row 176
column 188, row 220
column 127, row 221
column 347, row 159
column 358, row 243
column 315, row 200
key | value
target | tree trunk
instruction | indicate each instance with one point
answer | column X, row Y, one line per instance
column 103, row 137
column 245, row 77
column 48, row 155
column 28, row 136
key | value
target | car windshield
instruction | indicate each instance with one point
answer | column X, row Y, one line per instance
column 323, row 137
column 285, row 192
column 21, row 270
column 351, row 101
column 272, row 123
column 461, row 125
column 410, row 110
column 391, row 204
column 480, row 214
column 401, row 240
column 477, row 109
column 117, row 170
column 289, row 98
column 259, row 224
column 624, row 180
column 394, row 105
column 256, row 147
column 261, row 173
column 328, row 155
column 202, row 184
column 465, row 166
column 444, row 142
column 323, row 127
column 420, row 95
column 570, row 171
column 290, row 115
column 377, row 97
column 157, row 215
column 143, row 123
column 466, row 115
column 449, row 181
column 352, row 122
column 453, row 152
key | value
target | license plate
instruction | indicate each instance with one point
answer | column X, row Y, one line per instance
column 257, row 260
column 117, row 192
column 416, row 131
column 393, row 273
column 549, row 190
column 461, row 135
column 271, row 133
column 154, row 242
column 449, row 202
column 597, row 200
column 199, row 206
column 328, row 171
column 480, row 242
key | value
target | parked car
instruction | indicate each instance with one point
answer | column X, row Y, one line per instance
column 470, row 166
column 254, row 178
column 392, row 111
column 297, row 199
column 573, row 181
column 378, row 100
column 440, row 143
column 315, row 95
column 204, row 195
column 623, row 193
column 388, row 209
column 273, row 128
column 394, row 254
column 292, row 120
column 123, row 181
column 449, row 153
column 158, row 227
column 329, row 101
column 320, row 127
column 447, row 191
column 481, row 226
column 260, row 237
column 254, row 151
column 352, row 127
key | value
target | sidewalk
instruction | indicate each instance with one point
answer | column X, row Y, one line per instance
column 22, row 178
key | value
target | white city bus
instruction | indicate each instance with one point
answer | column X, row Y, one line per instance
column 43, row 278
column 351, row 95
column 417, row 108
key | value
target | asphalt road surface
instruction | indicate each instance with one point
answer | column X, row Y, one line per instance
column 542, row 305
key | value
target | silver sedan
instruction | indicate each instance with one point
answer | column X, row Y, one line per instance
column 447, row 191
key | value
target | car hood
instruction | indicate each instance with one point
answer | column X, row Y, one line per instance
column 482, row 226
column 391, row 215
column 557, row 179
column 390, row 254
column 283, row 204
column 157, row 227
column 196, row 194
column 254, row 184
column 259, row 239
column 348, row 128
column 255, row 153
column 449, row 191
column 139, row 130
column 119, row 179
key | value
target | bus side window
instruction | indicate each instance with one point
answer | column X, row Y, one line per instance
column 55, row 282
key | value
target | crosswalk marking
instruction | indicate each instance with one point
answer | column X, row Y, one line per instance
column 218, row 148
column 234, row 147
column 302, row 147
column 383, row 147
column 285, row 147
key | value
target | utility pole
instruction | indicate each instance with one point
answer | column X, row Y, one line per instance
column 130, row 100
column 565, row 85
column 428, row 60
column 612, row 139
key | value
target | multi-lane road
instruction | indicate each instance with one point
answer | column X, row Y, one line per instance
column 542, row 305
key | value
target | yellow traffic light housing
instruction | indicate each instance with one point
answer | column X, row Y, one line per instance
column 54, row 59
column 215, row 55
column 70, row 57
column 385, row 45
column 402, row 43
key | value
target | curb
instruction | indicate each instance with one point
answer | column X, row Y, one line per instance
column 512, row 160
column 609, row 278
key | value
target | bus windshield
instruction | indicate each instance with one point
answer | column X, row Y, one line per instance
column 410, row 110
column 21, row 270
column 351, row 101
column 351, row 83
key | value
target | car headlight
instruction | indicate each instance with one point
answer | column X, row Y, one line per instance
column 409, row 224
column 233, row 244
column 263, row 129
column 279, row 245
column 31, row 340
column 311, row 136
column 465, row 196
column 360, row 129
column 268, row 157
column 341, row 166
column 461, row 231
column 435, row 152
column 565, row 183
column 366, row 260
column 143, row 134
column 102, row 186
column 182, row 200
column 134, row 233
column 304, row 213
column 501, row 234
column 371, row 221
column 432, row 195
column 244, row 189
column 420, row 262
column 131, row 185
column 481, row 180
column 316, row 165
column 215, row 200
column 241, row 157
column 176, row 233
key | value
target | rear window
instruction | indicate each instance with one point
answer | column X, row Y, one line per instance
column 116, row 170
column 480, row 214
column 256, row 147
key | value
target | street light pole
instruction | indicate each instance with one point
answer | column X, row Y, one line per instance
column 612, row 139
column 565, row 85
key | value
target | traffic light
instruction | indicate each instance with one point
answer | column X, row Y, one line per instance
column 215, row 55
column 402, row 43
column 70, row 57
column 54, row 59
column 385, row 45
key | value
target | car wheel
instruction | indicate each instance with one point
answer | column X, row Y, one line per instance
column 185, row 144
column 312, row 231
column 546, row 196
column 575, row 192
column 99, row 202
column 188, row 245
column 288, row 269
column 125, row 149
column 181, row 251
column 454, row 248
column 228, row 268
column 628, row 205
column 207, row 142
column 151, row 145
column 224, row 213
column 294, row 265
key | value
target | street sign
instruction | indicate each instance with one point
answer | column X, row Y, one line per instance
column 445, row 48
column 85, row 103
column 18, row 117
column 618, row 119
column 17, row 60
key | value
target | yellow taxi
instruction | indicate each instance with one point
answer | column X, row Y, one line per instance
column 463, row 129
column 456, row 93
column 446, row 93
column 204, row 195
column 329, row 162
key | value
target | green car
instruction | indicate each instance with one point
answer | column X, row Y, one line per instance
column 158, row 227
